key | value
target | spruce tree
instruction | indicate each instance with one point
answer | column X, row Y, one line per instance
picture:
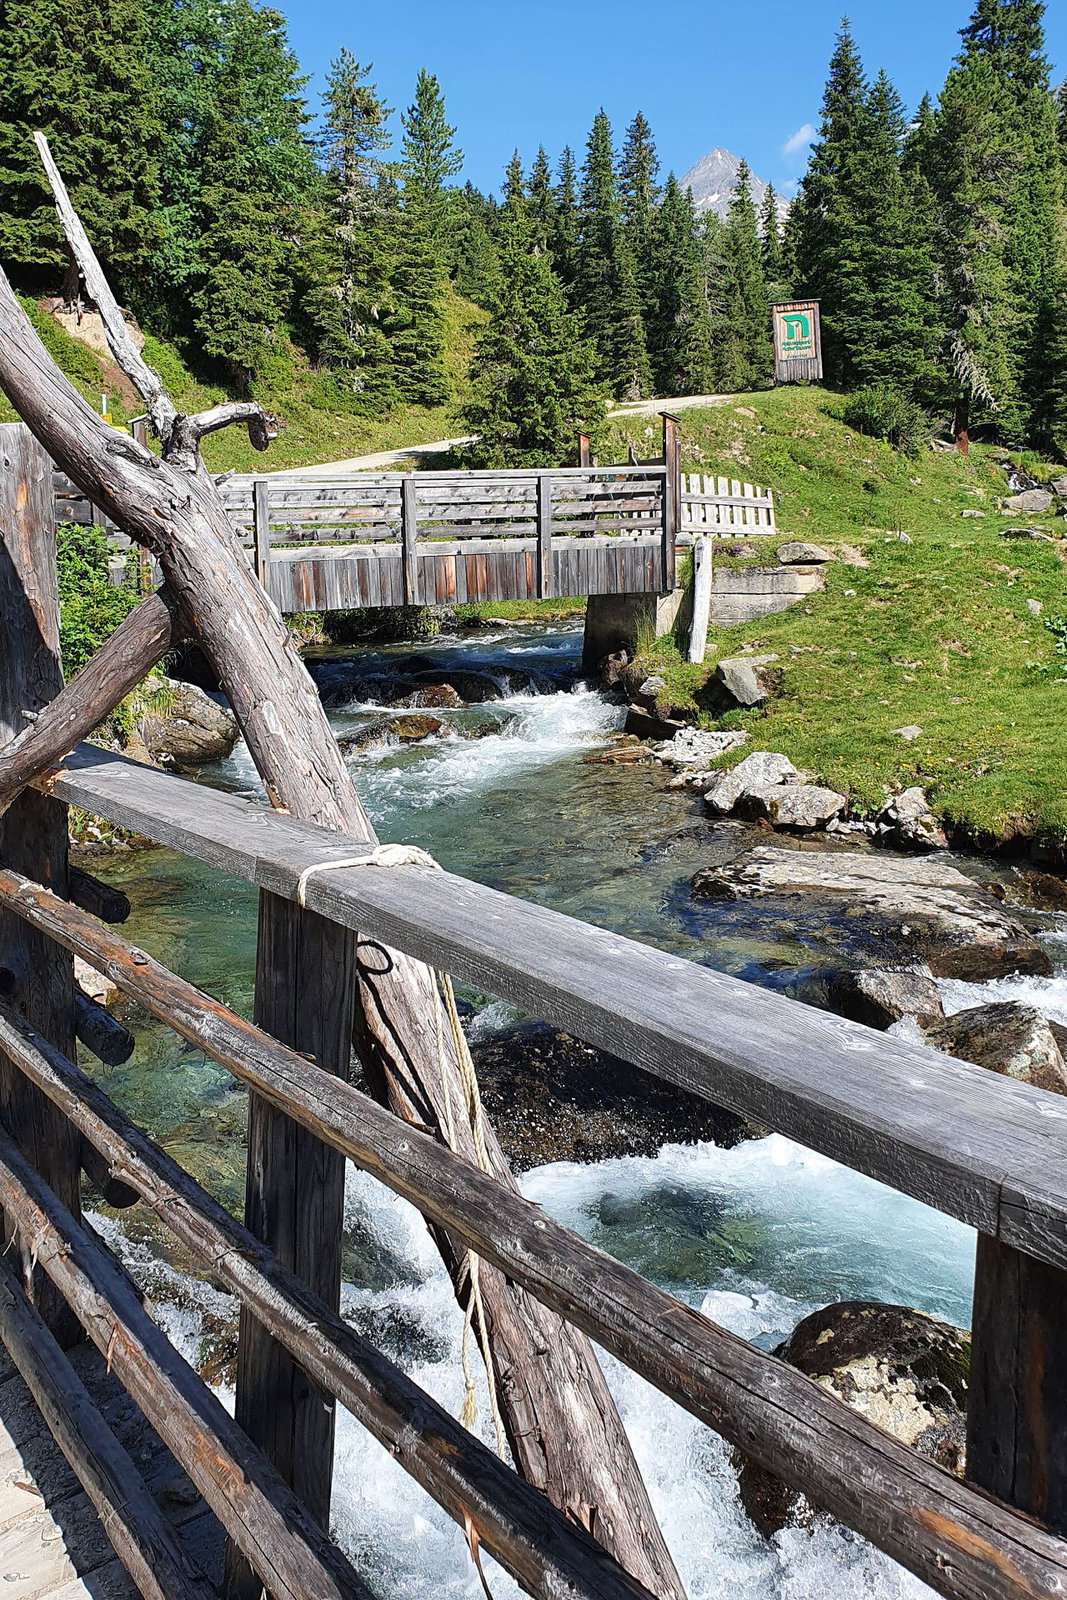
column 542, row 200
column 747, row 355
column 680, row 333
column 564, row 238
column 347, row 264
column 476, row 265
column 771, row 242
column 639, row 192
column 532, row 384
column 828, row 249
column 429, row 157
column 416, row 330
column 81, row 74
column 606, row 285
column 1010, row 35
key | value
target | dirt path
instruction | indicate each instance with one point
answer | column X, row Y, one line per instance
column 417, row 452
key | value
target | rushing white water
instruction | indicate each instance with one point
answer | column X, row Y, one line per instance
column 757, row 1236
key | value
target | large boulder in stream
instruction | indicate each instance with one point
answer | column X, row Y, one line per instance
column 880, row 997
column 900, row 1369
column 552, row 1098
column 920, row 905
column 1009, row 1038
column 189, row 728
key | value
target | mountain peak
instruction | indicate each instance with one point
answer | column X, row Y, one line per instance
column 712, row 180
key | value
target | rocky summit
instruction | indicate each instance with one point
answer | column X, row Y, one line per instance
column 712, row 180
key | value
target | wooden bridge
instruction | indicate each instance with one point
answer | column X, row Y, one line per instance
column 982, row 1148
column 442, row 538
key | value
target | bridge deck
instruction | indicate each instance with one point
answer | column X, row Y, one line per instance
column 52, row 1543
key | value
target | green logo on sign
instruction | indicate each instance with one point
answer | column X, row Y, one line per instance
column 797, row 327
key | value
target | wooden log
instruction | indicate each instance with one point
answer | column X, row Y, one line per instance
column 293, row 1557
column 588, row 1469
column 33, row 830
column 261, row 527
column 1017, row 1391
column 409, row 533
column 544, row 537
column 548, row 1554
column 139, row 642
column 698, row 631
column 100, row 1032
column 294, row 1200
column 141, row 1539
column 957, row 1539
column 979, row 1146
column 99, row 899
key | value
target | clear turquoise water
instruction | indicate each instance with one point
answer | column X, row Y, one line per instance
column 757, row 1236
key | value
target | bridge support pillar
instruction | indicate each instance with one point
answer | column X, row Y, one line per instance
column 617, row 621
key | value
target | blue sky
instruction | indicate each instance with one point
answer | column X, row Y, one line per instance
column 745, row 76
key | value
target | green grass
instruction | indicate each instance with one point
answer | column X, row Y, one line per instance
column 935, row 633
column 309, row 432
column 562, row 610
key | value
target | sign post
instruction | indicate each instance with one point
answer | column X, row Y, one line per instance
column 797, row 342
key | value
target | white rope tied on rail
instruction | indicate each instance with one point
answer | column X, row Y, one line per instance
column 409, row 855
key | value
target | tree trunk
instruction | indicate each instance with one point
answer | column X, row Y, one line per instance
column 961, row 424
column 564, row 1427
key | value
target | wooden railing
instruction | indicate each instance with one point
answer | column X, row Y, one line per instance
column 721, row 506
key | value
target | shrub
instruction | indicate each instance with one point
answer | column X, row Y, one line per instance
column 882, row 413
column 90, row 605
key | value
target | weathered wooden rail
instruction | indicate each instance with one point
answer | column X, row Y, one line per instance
column 982, row 1148
column 718, row 506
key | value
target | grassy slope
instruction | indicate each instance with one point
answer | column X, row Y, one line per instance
column 936, row 633
column 309, row 432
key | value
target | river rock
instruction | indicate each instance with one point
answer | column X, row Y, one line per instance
column 804, row 806
column 412, row 728
column 553, row 1098
column 193, row 730
column 1029, row 500
column 1007, row 1037
column 761, row 768
column 798, row 552
column 472, row 687
column 744, row 680
column 919, row 903
column 908, row 822
column 698, row 748
column 880, row 997
column 900, row 1369
column 435, row 697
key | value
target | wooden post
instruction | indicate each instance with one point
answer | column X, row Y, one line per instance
column 698, row 632
column 545, row 587
column 409, row 532
column 672, row 499
column 584, row 457
column 305, row 996
column 1017, row 1411
column 33, row 831
column 261, row 527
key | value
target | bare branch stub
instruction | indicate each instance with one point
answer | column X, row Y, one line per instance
column 183, row 447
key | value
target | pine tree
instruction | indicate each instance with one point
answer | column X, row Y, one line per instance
column 564, row 239
column 747, row 355
column 531, row 379
column 80, row 73
column 680, row 333
column 416, row 330
column 429, row 157
column 514, row 185
column 628, row 369
column 1010, row 35
column 639, row 192
column 771, row 242
column 347, row 264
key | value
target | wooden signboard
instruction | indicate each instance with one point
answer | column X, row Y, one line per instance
column 797, row 342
